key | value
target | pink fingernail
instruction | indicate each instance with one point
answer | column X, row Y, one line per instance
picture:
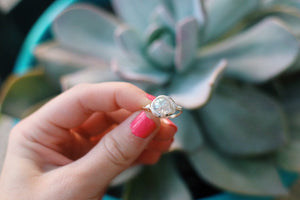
column 142, row 126
column 170, row 123
column 151, row 97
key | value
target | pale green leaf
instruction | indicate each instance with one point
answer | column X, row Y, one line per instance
column 224, row 15
column 20, row 93
column 241, row 120
column 159, row 182
column 187, row 32
column 163, row 17
column 129, row 41
column 193, row 88
column 162, row 54
column 58, row 60
column 133, row 70
column 136, row 13
column 188, row 9
column 90, row 75
column 87, row 29
column 256, row 176
column 258, row 54
column 189, row 136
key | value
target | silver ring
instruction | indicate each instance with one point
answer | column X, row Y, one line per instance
column 164, row 107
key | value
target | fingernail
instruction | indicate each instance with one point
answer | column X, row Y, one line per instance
column 142, row 126
column 151, row 97
column 170, row 123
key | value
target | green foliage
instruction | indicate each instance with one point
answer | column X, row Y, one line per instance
column 243, row 50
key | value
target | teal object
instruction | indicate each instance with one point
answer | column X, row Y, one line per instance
column 25, row 60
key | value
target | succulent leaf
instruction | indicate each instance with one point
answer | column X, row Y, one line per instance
column 91, row 28
column 90, row 75
column 139, row 71
column 189, row 136
column 20, row 93
column 154, row 32
column 129, row 42
column 136, row 13
column 242, row 121
column 193, row 89
column 188, row 9
column 254, row 55
column 6, row 124
column 256, row 176
column 164, row 181
column 162, row 16
column 187, row 32
column 161, row 53
column 224, row 15
column 58, row 60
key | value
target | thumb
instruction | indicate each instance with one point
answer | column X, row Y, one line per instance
column 119, row 148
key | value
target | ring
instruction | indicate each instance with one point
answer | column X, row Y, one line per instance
column 164, row 107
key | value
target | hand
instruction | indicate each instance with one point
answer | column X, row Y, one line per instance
column 72, row 147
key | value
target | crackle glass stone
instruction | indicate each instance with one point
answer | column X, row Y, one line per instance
column 163, row 106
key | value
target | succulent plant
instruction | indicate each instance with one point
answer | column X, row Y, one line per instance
column 225, row 61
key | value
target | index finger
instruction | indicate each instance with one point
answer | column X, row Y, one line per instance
column 73, row 107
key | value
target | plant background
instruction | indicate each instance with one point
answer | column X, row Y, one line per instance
column 13, row 31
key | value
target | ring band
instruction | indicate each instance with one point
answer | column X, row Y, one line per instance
column 164, row 107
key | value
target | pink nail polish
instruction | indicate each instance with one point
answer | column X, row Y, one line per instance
column 151, row 97
column 170, row 123
column 142, row 126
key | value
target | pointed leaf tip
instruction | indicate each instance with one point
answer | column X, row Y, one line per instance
column 193, row 89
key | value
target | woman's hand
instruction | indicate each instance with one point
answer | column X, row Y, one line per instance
column 77, row 143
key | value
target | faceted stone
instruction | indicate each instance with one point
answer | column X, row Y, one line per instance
column 163, row 106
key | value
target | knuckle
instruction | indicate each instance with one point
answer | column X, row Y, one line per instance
column 114, row 151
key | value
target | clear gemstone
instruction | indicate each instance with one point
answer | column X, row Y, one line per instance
column 163, row 106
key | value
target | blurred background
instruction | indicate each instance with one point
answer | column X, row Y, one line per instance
column 16, row 19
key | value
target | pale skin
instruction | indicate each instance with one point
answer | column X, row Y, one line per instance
column 73, row 147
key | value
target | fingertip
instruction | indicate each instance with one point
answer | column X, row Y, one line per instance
column 171, row 124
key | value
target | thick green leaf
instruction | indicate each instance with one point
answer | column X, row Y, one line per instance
column 189, row 136
column 6, row 124
column 137, row 13
column 188, row 9
column 193, row 88
column 159, row 182
column 58, row 60
column 87, row 29
column 20, row 93
column 162, row 54
column 134, row 70
column 163, row 16
column 90, row 75
column 187, row 32
column 242, row 121
column 224, row 15
column 155, row 32
column 129, row 42
column 243, row 176
column 258, row 54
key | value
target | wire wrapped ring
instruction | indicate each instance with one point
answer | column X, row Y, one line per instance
column 164, row 107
